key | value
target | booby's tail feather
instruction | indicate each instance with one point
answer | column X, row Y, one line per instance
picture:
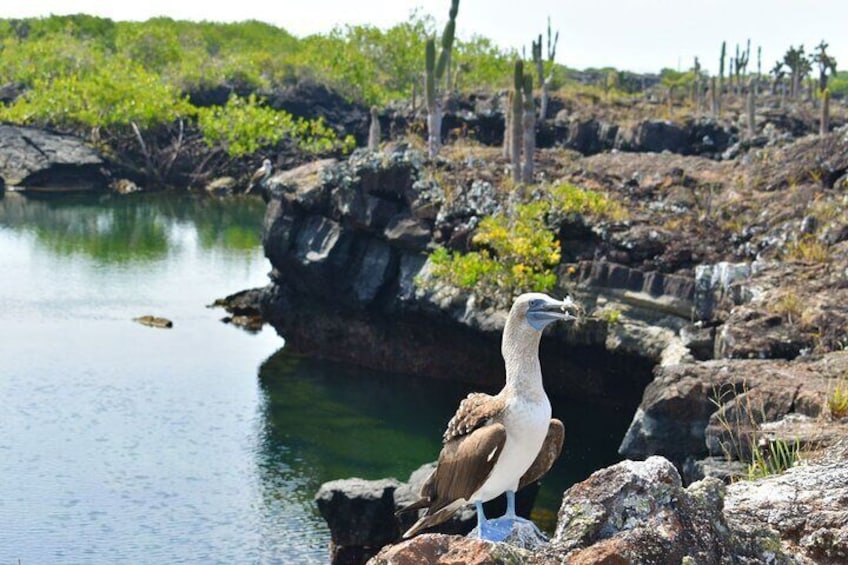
column 433, row 519
column 417, row 505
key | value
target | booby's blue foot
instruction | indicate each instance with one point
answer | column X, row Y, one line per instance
column 498, row 529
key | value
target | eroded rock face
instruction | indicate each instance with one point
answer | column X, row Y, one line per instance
column 638, row 512
column 34, row 159
column 715, row 408
column 806, row 505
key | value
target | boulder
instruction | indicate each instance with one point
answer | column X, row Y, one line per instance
column 360, row 515
column 36, row 160
column 638, row 512
column 656, row 136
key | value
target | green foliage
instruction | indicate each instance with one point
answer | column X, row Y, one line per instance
column 363, row 62
column 674, row 79
column 570, row 199
column 244, row 126
column 517, row 254
column 114, row 95
column 58, row 55
column 838, row 84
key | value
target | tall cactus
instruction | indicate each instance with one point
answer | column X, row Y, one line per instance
column 740, row 64
column 529, row 125
column 824, row 122
column 538, row 61
column 750, row 107
column 516, row 120
column 374, row 130
column 714, row 98
column 434, row 71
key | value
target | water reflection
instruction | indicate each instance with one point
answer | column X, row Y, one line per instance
column 118, row 229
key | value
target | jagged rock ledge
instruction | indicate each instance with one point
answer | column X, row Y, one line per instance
column 639, row 512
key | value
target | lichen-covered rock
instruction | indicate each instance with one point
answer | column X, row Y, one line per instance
column 806, row 505
column 638, row 512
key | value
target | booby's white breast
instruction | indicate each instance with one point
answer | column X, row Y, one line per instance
column 526, row 424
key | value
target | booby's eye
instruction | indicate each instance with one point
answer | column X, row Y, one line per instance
column 535, row 303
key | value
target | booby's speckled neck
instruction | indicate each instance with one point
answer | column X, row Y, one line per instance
column 520, row 350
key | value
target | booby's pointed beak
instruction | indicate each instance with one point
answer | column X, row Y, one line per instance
column 545, row 310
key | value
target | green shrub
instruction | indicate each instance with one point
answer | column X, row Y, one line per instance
column 569, row 199
column 116, row 94
column 243, row 126
column 516, row 255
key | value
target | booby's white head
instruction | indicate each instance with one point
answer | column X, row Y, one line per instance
column 529, row 315
column 539, row 310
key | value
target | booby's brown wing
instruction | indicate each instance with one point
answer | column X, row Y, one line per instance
column 257, row 176
column 472, row 445
column 464, row 465
column 551, row 449
column 477, row 409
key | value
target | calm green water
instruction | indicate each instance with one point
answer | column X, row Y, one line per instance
column 121, row 443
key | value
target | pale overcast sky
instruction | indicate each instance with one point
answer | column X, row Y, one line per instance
column 639, row 35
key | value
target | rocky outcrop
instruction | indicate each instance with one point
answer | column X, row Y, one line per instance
column 805, row 506
column 639, row 512
column 34, row 159
column 719, row 408
column 348, row 240
column 312, row 100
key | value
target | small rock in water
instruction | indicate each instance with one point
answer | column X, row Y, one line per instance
column 154, row 321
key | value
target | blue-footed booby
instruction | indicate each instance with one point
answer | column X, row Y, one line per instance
column 261, row 175
column 497, row 444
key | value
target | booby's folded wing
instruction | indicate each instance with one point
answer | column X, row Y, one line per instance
column 464, row 465
column 551, row 449
column 477, row 409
